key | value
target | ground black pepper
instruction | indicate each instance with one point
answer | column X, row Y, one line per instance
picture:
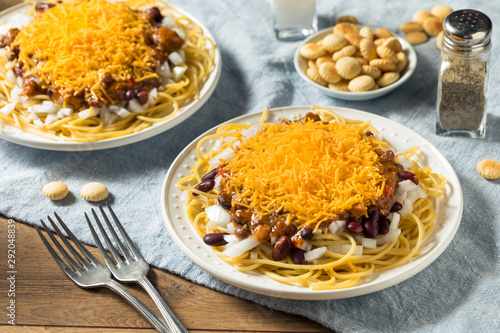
column 463, row 98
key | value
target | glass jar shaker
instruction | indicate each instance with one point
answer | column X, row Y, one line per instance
column 463, row 74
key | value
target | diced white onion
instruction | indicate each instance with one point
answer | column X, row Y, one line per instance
column 388, row 237
column 230, row 227
column 122, row 112
column 7, row 109
column 154, row 94
column 168, row 22
column 184, row 196
column 333, row 227
column 51, row 118
column 266, row 249
column 3, row 97
column 67, row 111
column 345, row 248
column 217, row 180
column 41, row 108
column 394, row 218
column 341, row 224
column 231, row 240
column 108, row 117
column 38, row 123
column 315, row 254
column 254, row 255
column 180, row 32
column 91, row 112
column 33, row 116
column 175, row 58
column 250, row 132
column 19, row 81
column 164, row 71
column 135, row 106
column 178, row 72
column 404, row 162
column 218, row 215
column 11, row 76
column 369, row 243
column 223, row 155
column 241, row 247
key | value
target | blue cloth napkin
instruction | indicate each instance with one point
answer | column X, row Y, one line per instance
column 459, row 292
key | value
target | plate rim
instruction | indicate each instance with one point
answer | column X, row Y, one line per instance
column 356, row 96
column 30, row 140
column 303, row 293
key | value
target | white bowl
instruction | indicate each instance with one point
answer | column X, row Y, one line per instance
column 301, row 67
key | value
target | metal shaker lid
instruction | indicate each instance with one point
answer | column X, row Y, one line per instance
column 467, row 31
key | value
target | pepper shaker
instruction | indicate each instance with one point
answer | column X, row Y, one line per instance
column 463, row 74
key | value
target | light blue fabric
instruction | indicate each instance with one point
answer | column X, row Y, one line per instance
column 459, row 292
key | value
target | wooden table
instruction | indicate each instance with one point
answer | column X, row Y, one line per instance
column 46, row 300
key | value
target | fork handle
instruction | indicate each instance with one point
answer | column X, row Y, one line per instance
column 172, row 322
column 149, row 314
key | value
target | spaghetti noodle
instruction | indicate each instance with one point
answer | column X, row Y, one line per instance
column 85, row 70
column 320, row 202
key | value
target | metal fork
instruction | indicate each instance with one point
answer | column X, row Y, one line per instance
column 90, row 273
column 130, row 265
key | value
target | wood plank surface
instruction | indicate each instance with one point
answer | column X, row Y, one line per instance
column 47, row 301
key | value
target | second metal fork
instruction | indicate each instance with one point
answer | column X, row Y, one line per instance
column 130, row 265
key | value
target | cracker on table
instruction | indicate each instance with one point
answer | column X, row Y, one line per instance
column 416, row 37
column 441, row 11
column 420, row 16
column 55, row 190
column 94, row 191
column 432, row 26
column 489, row 169
column 410, row 26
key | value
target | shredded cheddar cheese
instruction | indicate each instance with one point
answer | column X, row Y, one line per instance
column 72, row 44
column 313, row 170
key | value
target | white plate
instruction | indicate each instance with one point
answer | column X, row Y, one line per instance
column 399, row 137
column 15, row 135
column 301, row 67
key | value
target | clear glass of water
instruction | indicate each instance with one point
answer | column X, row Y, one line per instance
column 294, row 19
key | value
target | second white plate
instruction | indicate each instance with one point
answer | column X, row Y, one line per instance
column 15, row 135
column 401, row 138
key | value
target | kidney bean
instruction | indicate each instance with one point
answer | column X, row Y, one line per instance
column 297, row 256
column 306, row 233
column 241, row 231
column 49, row 92
column 282, row 248
column 407, row 175
column 142, row 97
column 383, row 225
column 130, row 94
column 40, row 7
column 354, row 227
column 204, row 186
column 210, row 175
column 155, row 14
column 369, row 134
column 396, row 207
column 370, row 225
column 224, row 200
column 215, row 239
